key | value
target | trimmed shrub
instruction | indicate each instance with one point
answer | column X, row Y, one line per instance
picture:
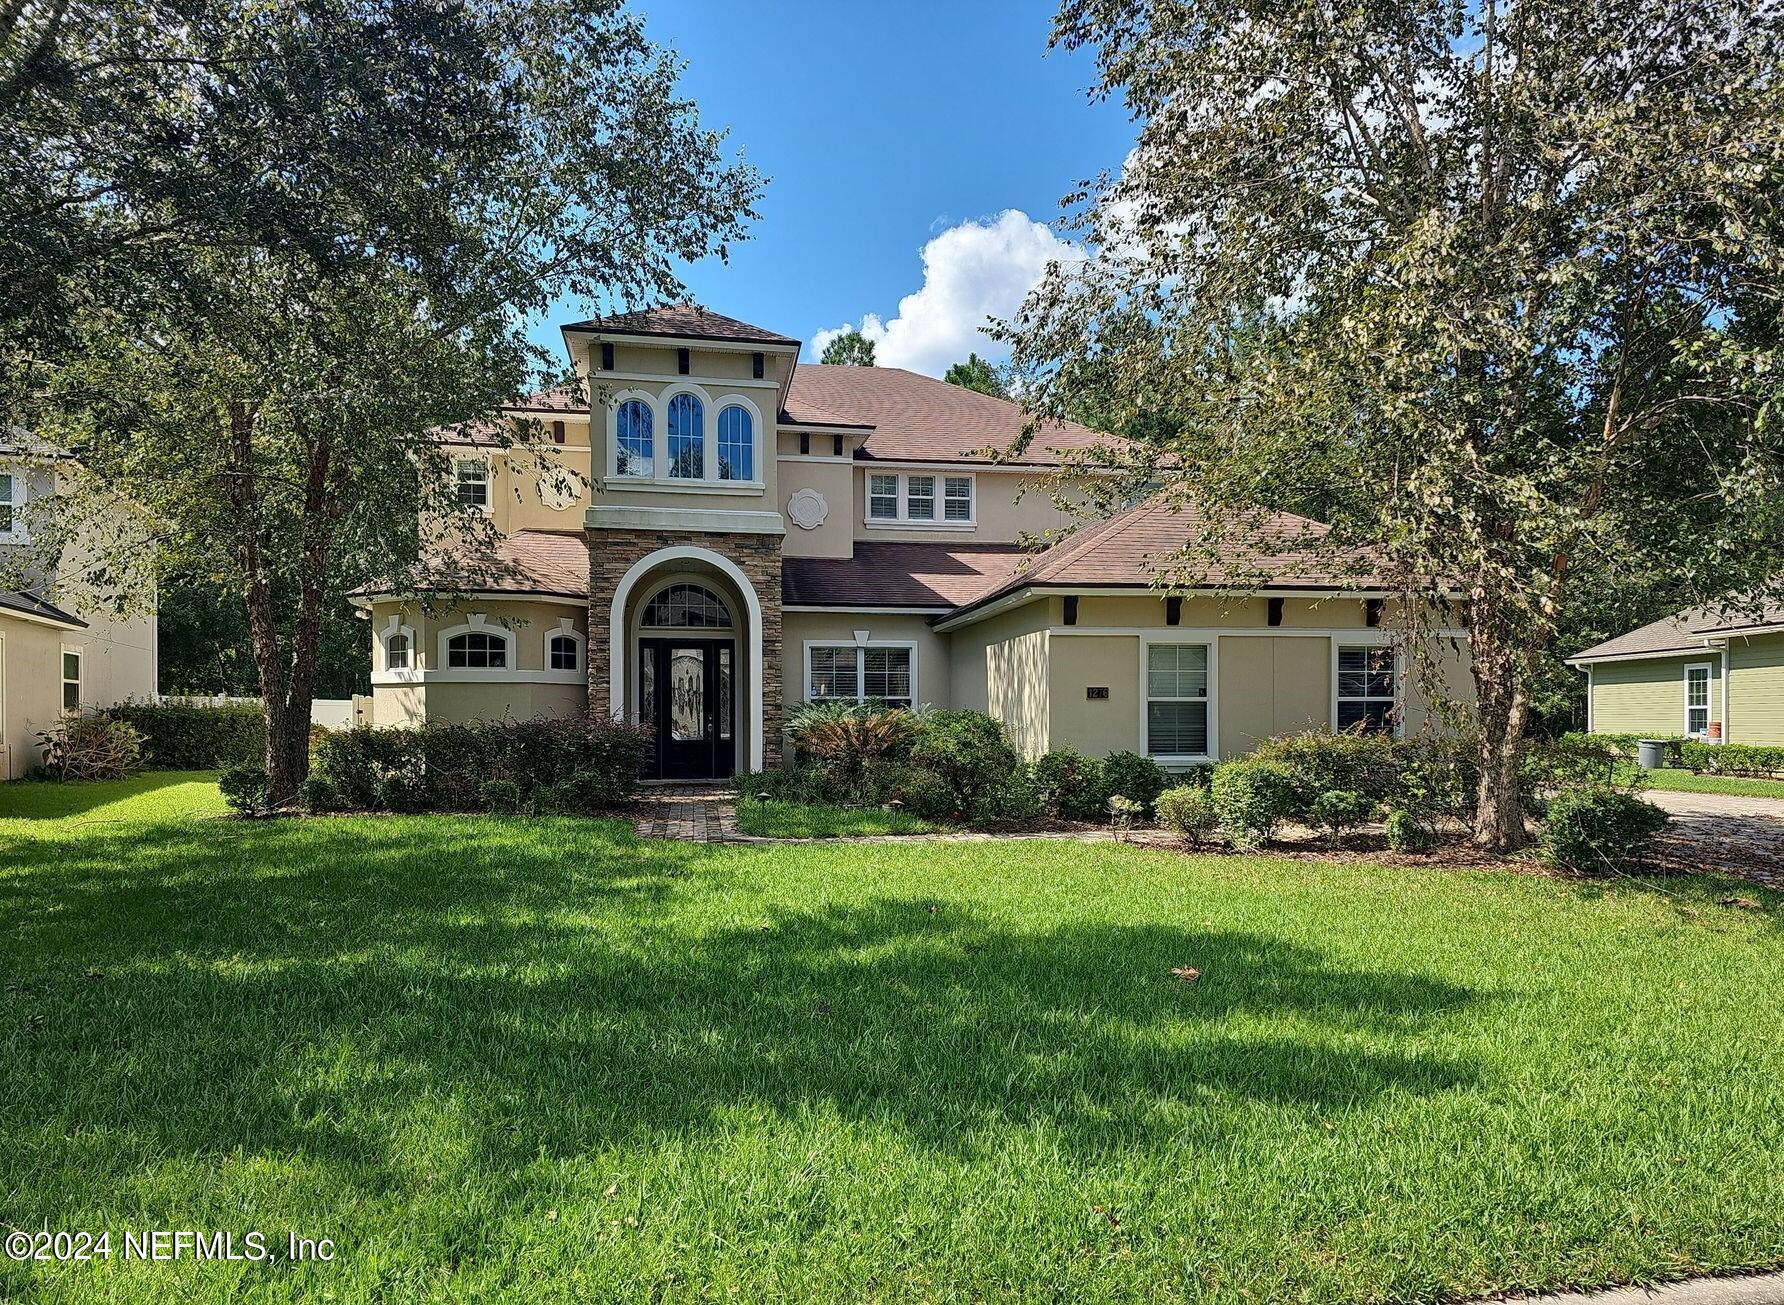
column 970, row 755
column 1596, row 830
column 1339, row 810
column 1187, row 811
column 315, row 796
column 1014, row 804
column 1251, row 799
column 1571, row 761
column 1407, row 833
column 580, row 764
column 1071, row 786
column 1139, row 779
column 1732, row 758
column 90, row 747
column 1324, row 761
column 196, row 738
column 244, row 790
column 1624, row 745
column 501, row 796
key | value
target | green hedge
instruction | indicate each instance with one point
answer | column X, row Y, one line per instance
column 196, row 738
column 1624, row 745
column 1732, row 758
column 548, row 766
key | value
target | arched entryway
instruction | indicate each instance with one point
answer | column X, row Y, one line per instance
column 686, row 635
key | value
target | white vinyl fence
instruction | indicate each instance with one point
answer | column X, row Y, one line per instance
column 330, row 713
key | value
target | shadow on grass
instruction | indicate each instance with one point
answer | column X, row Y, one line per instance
column 551, row 989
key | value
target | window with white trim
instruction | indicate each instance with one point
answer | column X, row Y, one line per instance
column 634, row 448
column 737, row 444
column 1368, row 688
column 12, row 497
column 473, row 483
column 1697, row 700
column 912, row 498
column 687, row 437
column 1177, row 699
column 857, row 673
column 396, row 653
column 561, row 652
column 477, row 650
column 72, row 660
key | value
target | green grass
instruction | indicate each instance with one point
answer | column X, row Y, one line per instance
column 1685, row 781
column 775, row 819
column 502, row 1059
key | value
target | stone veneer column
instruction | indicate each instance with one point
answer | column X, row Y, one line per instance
column 611, row 554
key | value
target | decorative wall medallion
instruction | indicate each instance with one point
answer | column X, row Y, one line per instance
column 808, row 509
column 557, row 490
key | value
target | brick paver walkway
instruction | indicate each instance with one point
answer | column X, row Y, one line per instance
column 695, row 813
column 1712, row 831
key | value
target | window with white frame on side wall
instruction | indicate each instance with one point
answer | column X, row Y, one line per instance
column 1178, row 688
column 855, row 672
column 473, row 482
column 1368, row 688
column 1697, row 699
column 921, row 499
column 12, row 504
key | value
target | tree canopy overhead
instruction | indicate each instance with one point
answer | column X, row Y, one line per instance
column 850, row 349
column 1494, row 288
column 976, row 374
column 286, row 245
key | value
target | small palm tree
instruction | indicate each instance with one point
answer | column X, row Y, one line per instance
column 847, row 737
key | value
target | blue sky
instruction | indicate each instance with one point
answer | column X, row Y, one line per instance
column 882, row 129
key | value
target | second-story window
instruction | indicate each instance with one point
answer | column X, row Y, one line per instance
column 687, row 437
column 913, row 499
column 634, row 445
column 396, row 652
column 473, row 483
column 737, row 444
column 9, row 507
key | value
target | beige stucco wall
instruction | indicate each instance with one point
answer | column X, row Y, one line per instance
column 517, row 478
column 835, row 537
column 1081, row 662
column 1269, row 685
column 431, row 691
column 1003, row 511
column 1648, row 696
column 118, row 663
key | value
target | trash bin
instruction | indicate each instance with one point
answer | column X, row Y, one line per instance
column 1651, row 753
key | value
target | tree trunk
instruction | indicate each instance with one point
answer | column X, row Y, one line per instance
column 1503, row 712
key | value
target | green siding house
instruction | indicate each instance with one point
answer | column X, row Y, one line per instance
column 1711, row 672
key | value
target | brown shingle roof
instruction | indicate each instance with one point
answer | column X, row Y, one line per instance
column 920, row 419
column 897, row 575
column 1127, row 549
column 546, row 562
column 687, row 320
column 1686, row 631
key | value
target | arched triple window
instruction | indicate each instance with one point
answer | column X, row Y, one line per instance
column 635, row 447
column 687, row 437
column 684, row 607
column 737, row 444
column 477, row 650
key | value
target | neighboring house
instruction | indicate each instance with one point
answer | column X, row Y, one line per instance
column 763, row 533
column 57, row 652
column 1711, row 672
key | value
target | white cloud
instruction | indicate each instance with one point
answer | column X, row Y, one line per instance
column 971, row 273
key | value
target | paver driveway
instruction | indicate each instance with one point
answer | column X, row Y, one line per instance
column 1712, row 831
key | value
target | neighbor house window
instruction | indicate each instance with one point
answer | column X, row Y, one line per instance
column 396, row 652
column 71, row 679
column 1368, row 689
column 852, row 673
column 473, row 483
column 912, row 499
column 1697, row 700
column 1177, row 699
column 12, row 495
column 561, row 653
column 737, row 444
column 477, row 650
column 687, row 437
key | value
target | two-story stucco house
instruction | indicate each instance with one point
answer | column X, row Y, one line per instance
column 60, row 650
column 759, row 533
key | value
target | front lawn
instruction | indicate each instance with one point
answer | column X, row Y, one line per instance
column 544, row 1060
column 776, row 819
column 1685, row 781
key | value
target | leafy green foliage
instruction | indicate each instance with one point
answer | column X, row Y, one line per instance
column 177, row 737
column 1072, row 786
column 1505, row 319
column 1340, row 810
column 91, row 747
column 1187, row 811
column 1139, row 779
column 1731, row 758
column 1324, row 760
column 1252, row 799
column 1406, row 832
column 244, row 789
column 555, row 765
column 976, row 374
column 850, row 349
column 1596, row 831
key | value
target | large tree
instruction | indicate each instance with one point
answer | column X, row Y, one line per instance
column 1468, row 280
column 268, row 396
column 976, row 374
column 850, row 349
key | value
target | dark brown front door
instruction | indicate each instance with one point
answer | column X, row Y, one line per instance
column 685, row 693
